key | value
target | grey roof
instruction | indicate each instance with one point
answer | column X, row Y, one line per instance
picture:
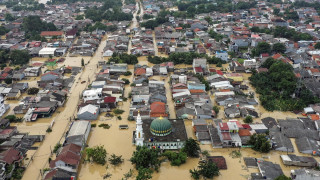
column 269, row 122
column 306, row 144
column 250, row 162
column 279, row 140
column 269, row 170
column 185, row 110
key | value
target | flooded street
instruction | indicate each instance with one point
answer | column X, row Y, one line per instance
column 62, row 119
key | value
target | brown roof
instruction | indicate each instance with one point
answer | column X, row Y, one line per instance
column 220, row 161
column 9, row 156
column 244, row 132
column 70, row 154
column 51, row 33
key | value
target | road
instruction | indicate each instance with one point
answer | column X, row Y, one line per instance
column 62, row 121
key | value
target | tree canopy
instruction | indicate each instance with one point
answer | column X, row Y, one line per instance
column 19, row 57
column 277, row 86
column 33, row 27
column 207, row 170
column 144, row 157
column 260, row 143
column 97, row 154
column 191, row 147
column 123, row 58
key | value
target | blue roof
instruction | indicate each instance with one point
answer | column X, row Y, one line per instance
column 217, row 52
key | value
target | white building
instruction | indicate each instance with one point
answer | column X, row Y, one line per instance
column 46, row 52
column 92, row 94
column 3, row 107
column 139, row 138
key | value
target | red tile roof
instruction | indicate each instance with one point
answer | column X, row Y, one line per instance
column 51, row 33
column 11, row 155
column 110, row 99
column 158, row 107
column 244, row 132
column 198, row 69
column 220, row 161
column 140, row 71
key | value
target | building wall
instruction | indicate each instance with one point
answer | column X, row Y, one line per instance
column 165, row 145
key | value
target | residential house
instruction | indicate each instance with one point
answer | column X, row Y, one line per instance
column 88, row 112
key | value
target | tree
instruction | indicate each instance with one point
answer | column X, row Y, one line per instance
column 115, row 160
column 262, row 47
column 128, row 73
column 33, row 91
column 126, row 81
column 279, row 48
column 317, row 46
column 9, row 17
column 8, row 80
column 208, row 169
column 144, row 157
column 282, row 177
column 19, row 57
column 82, row 62
column 144, row 174
column 260, row 143
column 191, row 147
column 248, row 119
column 176, row 158
column 216, row 109
column 97, row 154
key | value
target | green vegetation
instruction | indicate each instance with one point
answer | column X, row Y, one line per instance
column 104, row 12
column 248, row 119
column 100, row 26
column 49, row 130
column 3, row 30
column 56, row 147
column 215, row 35
column 144, row 174
column 93, row 125
column 14, row 119
column 260, row 143
column 115, row 160
column 317, row 46
column 118, row 111
column 203, row 81
column 160, row 19
column 148, row 16
column 128, row 73
column 82, row 62
column 284, row 32
column 207, row 170
column 32, row 91
column 126, row 81
column 235, row 154
column 19, row 57
column 96, row 154
column 147, row 158
column 32, row 25
column 282, row 177
column 277, row 86
column 177, row 58
column 8, row 80
column 18, row 172
column 279, row 48
column 123, row 58
column 191, row 147
column 176, row 158
column 104, row 126
column 216, row 109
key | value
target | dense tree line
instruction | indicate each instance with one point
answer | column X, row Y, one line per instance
column 260, row 143
column 284, row 32
column 32, row 25
column 203, row 6
column 177, row 58
column 103, row 13
column 160, row 19
column 100, row 26
column 277, row 86
column 28, row 5
column 124, row 58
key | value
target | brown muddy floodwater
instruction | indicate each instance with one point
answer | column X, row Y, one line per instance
column 119, row 142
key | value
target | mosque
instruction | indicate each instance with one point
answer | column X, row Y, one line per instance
column 160, row 133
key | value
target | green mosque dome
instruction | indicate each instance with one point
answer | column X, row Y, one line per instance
column 160, row 127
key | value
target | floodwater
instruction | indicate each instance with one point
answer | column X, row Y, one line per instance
column 62, row 120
